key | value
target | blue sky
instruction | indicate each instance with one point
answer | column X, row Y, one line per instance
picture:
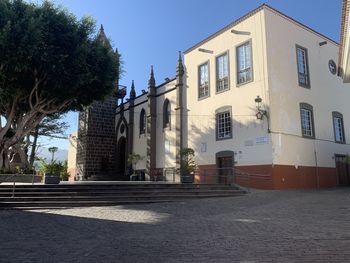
column 152, row 32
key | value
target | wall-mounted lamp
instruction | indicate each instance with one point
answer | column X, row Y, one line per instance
column 322, row 43
column 261, row 112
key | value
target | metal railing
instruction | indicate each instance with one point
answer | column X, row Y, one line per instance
column 13, row 178
column 215, row 176
column 229, row 176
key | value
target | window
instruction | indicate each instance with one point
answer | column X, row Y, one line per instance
column 222, row 72
column 223, row 125
column 303, row 67
column 244, row 63
column 203, row 85
column 307, row 120
column 166, row 114
column 143, row 122
column 338, row 126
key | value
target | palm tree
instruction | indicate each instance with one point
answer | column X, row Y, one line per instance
column 53, row 150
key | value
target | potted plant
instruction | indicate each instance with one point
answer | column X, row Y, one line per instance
column 187, row 165
column 51, row 171
column 133, row 159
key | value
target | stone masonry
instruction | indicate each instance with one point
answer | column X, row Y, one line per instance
column 96, row 141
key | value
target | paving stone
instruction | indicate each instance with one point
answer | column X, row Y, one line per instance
column 264, row 226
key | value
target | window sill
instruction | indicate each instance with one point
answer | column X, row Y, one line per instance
column 308, row 137
column 223, row 139
column 222, row 91
column 304, row 86
column 243, row 83
column 203, row 98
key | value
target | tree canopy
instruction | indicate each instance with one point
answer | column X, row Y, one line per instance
column 49, row 62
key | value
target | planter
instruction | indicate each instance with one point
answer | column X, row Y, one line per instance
column 51, row 178
column 19, row 178
column 134, row 177
column 187, row 179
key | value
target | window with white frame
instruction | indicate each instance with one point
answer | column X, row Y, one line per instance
column 244, row 63
column 338, row 126
column 223, row 125
column 307, row 123
column 203, row 83
column 222, row 72
column 303, row 67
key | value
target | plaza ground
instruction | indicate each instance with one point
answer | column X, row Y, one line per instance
column 263, row 226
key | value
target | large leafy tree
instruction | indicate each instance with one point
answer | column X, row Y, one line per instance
column 49, row 62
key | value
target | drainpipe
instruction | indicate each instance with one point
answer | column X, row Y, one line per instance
column 317, row 176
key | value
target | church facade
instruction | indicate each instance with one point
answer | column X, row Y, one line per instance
column 261, row 95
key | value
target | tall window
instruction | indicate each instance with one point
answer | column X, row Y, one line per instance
column 223, row 125
column 307, row 120
column 142, row 121
column 166, row 114
column 338, row 126
column 222, row 72
column 303, row 67
column 244, row 63
column 203, row 85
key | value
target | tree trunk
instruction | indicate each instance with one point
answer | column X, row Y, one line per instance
column 34, row 145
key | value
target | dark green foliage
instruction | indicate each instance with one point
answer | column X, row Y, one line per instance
column 187, row 164
column 47, row 46
column 59, row 168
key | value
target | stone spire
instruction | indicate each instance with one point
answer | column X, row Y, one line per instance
column 151, row 81
column 132, row 95
column 101, row 37
column 180, row 66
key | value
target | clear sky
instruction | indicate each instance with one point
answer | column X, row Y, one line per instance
column 151, row 32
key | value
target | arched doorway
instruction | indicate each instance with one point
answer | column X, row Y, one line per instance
column 121, row 160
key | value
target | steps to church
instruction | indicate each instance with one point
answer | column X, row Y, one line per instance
column 107, row 194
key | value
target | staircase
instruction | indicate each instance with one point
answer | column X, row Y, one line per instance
column 107, row 193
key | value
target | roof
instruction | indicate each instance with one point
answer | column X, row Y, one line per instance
column 253, row 12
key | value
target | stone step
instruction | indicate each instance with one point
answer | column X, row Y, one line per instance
column 111, row 192
column 73, row 198
column 118, row 186
column 91, row 194
column 80, row 203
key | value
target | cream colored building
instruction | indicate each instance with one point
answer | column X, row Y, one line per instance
column 72, row 153
column 262, row 95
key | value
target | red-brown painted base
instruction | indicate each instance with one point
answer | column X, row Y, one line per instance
column 274, row 176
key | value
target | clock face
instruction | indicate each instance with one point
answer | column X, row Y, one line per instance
column 332, row 67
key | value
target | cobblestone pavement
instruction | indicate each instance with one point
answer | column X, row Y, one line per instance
column 264, row 226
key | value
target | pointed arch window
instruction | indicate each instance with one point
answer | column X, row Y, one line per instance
column 143, row 121
column 166, row 114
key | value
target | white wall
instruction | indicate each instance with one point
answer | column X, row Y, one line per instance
column 327, row 93
column 250, row 141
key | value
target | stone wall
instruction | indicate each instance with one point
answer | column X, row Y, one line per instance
column 96, row 141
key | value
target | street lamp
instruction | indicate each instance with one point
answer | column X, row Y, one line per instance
column 261, row 112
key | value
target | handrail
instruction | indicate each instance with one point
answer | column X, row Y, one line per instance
column 10, row 177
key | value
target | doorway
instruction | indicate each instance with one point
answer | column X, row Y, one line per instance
column 342, row 169
column 121, row 160
column 225, row 165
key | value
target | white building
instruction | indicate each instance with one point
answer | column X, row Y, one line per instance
column 261, row 94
